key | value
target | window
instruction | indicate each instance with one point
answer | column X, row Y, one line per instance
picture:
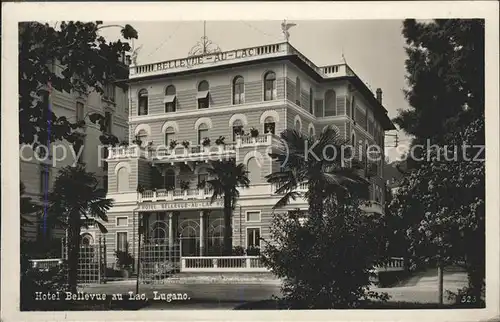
column 318, row 108
column 122, row 177
column 202, row 132
column 203, row 95
column 253, row 216
column 353, row 104
column 330, row 103
column 170, row 99
column 121, row 241
column 298, row 91
column 169, row 135
column 105, row 182
column 121, row 221
column 143, row 137
column 238, row 90
column 311, row 100
column 170, row 179
column 109, row 91
column 253, row 237
column 45, row 175
column 143, row 102
column 269, row 125
column 269, row 86
column 80, row 111
column 202, row 177
column 237, row 128
column 108, row 120
column 87, row 239
column 297, row 125
column 254, row 170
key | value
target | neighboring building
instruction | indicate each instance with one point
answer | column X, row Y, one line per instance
column 38, row 173
column 393, row 174
column 270, row 88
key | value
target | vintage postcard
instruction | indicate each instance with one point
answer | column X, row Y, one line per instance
column 325, row 161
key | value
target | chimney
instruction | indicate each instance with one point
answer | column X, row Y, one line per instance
column 122, row 57
column 379, row 95
column 128, row 61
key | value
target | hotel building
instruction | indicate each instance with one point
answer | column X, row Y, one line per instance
column 38, row 172
column 158, row 185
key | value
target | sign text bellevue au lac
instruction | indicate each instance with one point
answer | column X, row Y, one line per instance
column 210, row 58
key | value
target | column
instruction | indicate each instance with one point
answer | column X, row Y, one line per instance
column 170, row 229
column 202, row 233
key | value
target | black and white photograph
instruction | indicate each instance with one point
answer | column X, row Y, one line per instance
column 325, row 158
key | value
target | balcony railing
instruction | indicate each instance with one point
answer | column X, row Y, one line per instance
column 394, row 264
column 222, row 264
column 127, row 152
column 195, row 152
column 177, row 194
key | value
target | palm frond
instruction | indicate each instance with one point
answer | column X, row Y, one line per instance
column 287, row 197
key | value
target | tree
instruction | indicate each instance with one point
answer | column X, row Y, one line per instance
column 74, row 201
column 319, row 163
column 445, row 69
column 325, row 266
column 441, row 201
column 227, row 178
column 86, row 62
column 27, row 207
column 443, row 206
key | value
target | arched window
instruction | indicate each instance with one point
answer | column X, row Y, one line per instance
column 270, row 86
column 170, row 99
column 311, row 100
column 237, row 129
column 269, row 125
column 123, row 179
column 330, row 103
column 169, row 135
column 297, row 125
column 311, row 131
column 169, row 179
column 142, row 137
column 253, row 168
column 298, row 91
column 143, row 102
column 203, row 95
column 202, row 132
column 159, row 231
column 238, row 90
column 86, row 239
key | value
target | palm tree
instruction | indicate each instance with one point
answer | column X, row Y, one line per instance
column 76, row 199
column 319, row 163
column 227, row 177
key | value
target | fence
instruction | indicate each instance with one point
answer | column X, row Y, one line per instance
column 395, row 264
column 157, row 260
column 91, row 261
column 222, row 264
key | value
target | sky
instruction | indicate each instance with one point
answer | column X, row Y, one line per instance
column 374, row 49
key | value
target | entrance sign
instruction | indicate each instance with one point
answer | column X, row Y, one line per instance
column 159, row 206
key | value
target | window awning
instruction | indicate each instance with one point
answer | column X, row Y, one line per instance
column 202, row 94
column 169, row 99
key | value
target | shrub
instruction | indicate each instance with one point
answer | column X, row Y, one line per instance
column 254, row 132
column 184, row 185
column 253, row 251
column 220, row 140
column 238, row 251
column 205, row 142
column 327, row 265
column 173, row 144
column 186, row 144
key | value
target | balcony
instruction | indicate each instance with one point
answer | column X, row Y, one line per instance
column 127, row 152
column 174, row 195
